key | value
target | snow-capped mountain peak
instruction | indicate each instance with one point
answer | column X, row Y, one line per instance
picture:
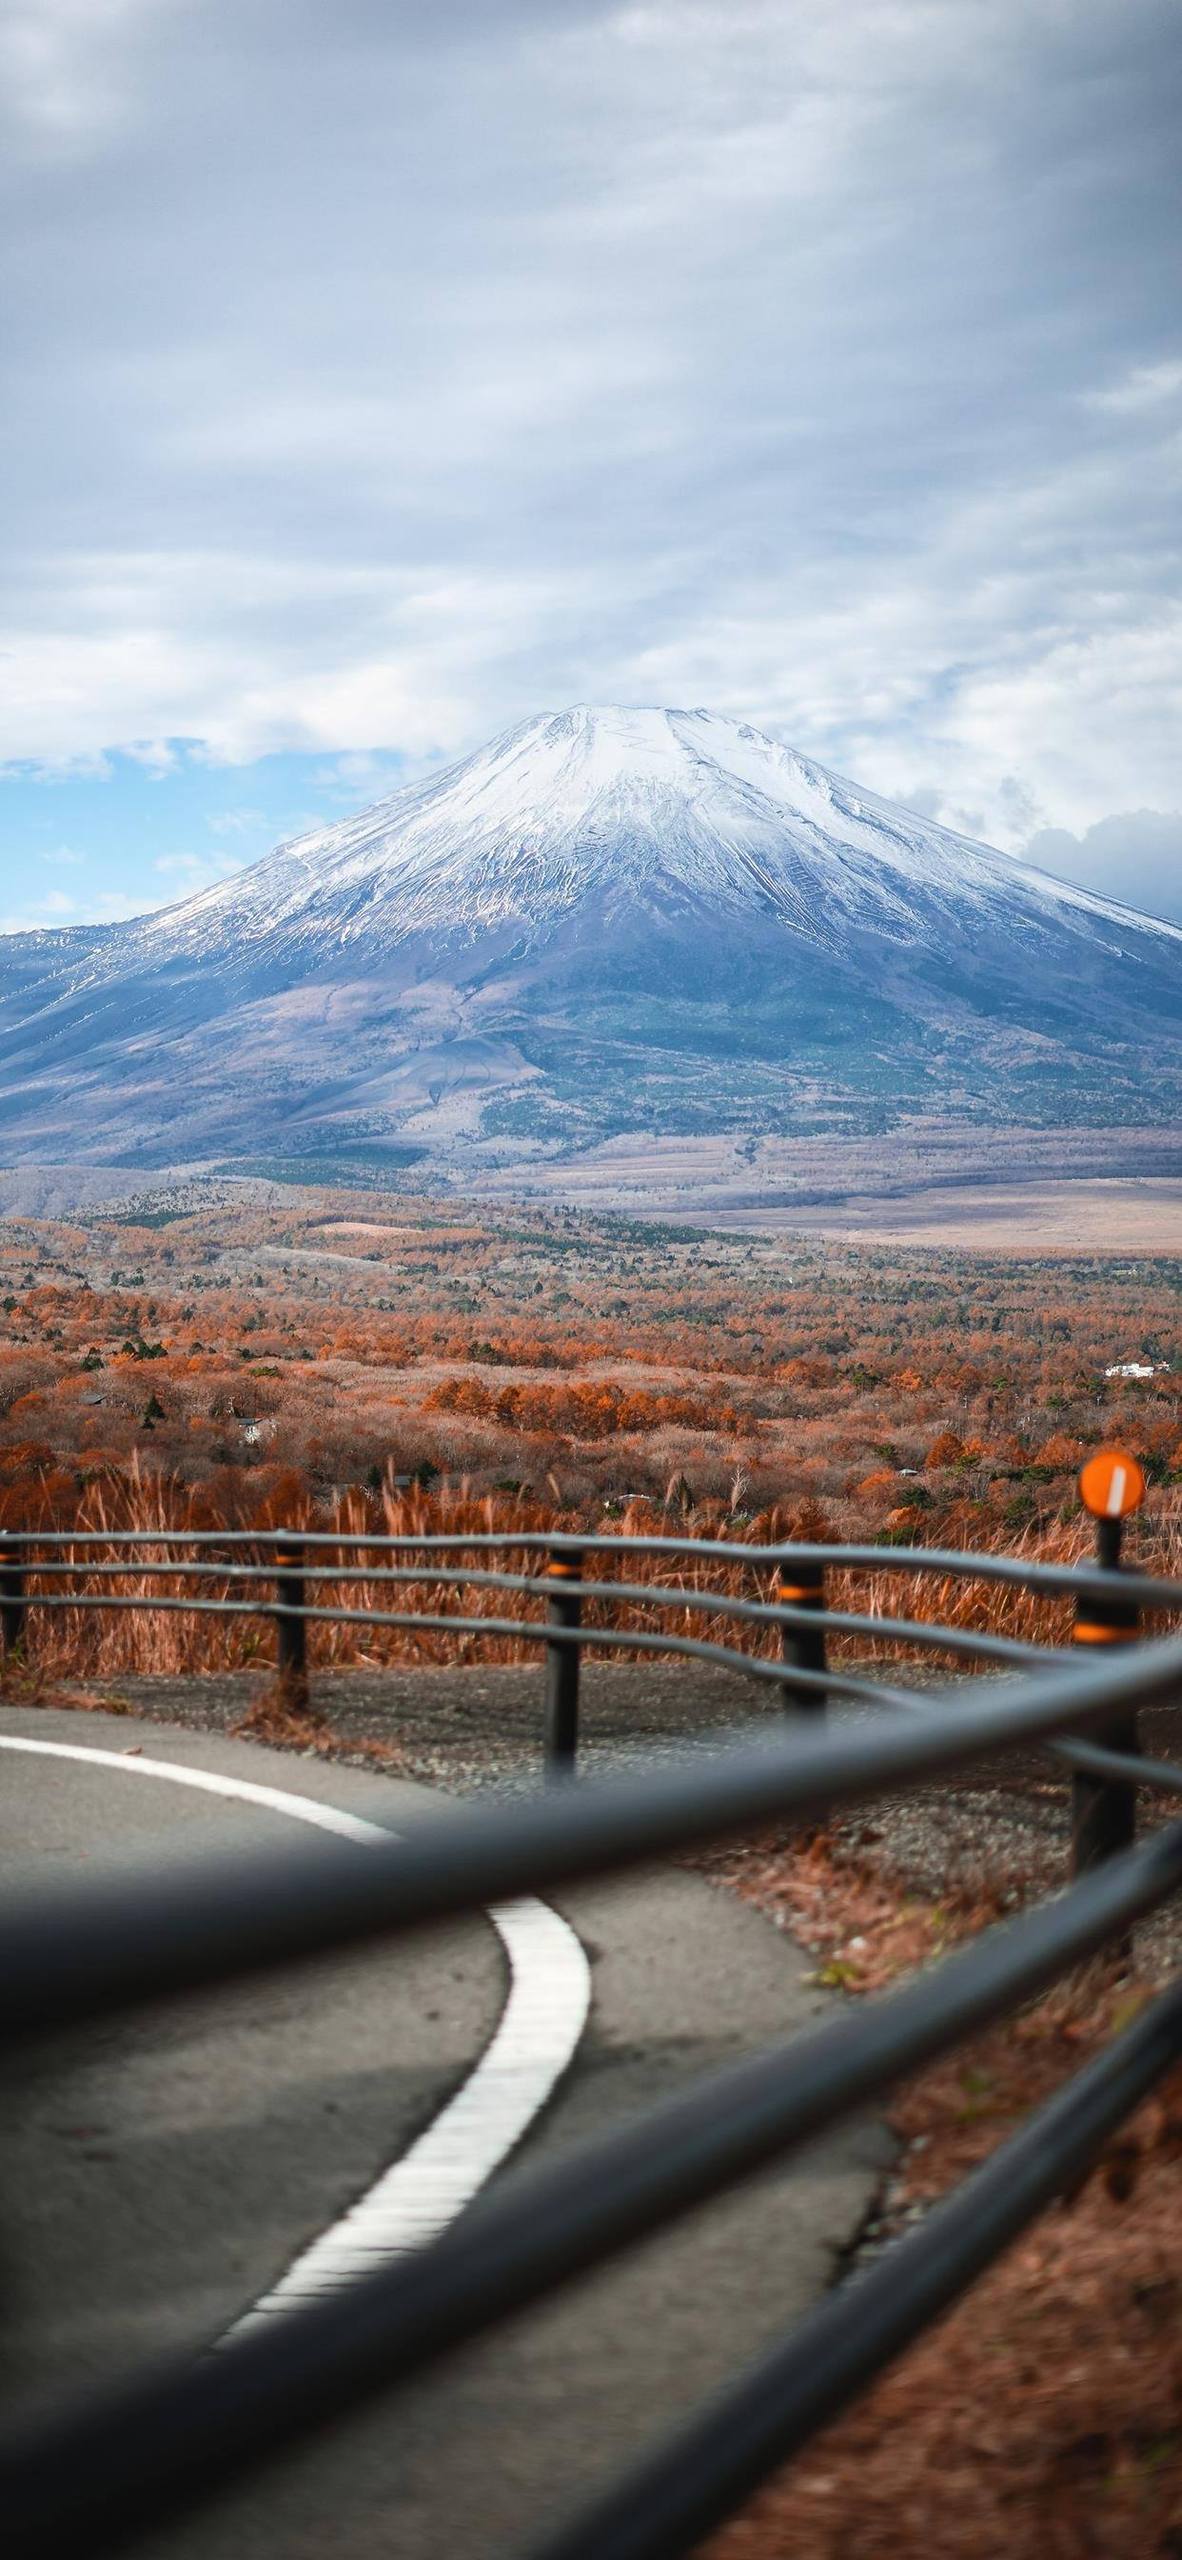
column 610, row 805
column 609, row 918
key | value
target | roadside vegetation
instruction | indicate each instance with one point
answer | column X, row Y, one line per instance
column 368, row 1365
column 384, row 1364
column 1042, row 2418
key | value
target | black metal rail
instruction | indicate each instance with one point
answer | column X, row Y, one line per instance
column 96, row 2478
column 270, row 1574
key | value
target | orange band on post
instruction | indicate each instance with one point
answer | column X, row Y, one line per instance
column 1086, row 1633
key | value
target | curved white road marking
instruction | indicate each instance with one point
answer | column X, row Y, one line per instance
column 535, row 2040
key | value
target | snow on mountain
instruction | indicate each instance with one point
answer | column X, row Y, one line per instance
column 606, row 919
column 614, row 804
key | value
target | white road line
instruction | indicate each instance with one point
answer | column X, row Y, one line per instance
column 535, row 2041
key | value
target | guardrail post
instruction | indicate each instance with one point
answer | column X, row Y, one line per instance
column 1104, row 1811
column 563, row 1609
column 802, row 1586
column 14, row 1607
column 291, row 1633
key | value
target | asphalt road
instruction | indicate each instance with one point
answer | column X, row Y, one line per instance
column 160, row 2175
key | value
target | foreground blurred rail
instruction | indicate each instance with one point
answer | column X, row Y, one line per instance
column 97, row 2476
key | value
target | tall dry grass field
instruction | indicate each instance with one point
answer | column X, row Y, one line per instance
column 190, row 1612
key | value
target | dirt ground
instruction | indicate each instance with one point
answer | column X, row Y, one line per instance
column 1039, row 1217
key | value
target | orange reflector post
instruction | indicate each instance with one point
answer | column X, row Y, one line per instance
column 1111, row 1485
column 1104, row 1809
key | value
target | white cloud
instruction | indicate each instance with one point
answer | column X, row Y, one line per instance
column 41, row 915
column 1087, row 723
column 350, row 777
column 196, row 870
column 54, row 911
column 158, row 756
column 238, row 822
column 819, row 365
column 1142, row 388
column 113, row 905
column 70, row 68
column 1135, row 857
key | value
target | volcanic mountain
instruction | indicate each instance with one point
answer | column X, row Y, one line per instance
column 607, row 921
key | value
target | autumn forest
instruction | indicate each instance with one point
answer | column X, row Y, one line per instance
column 244, row 1354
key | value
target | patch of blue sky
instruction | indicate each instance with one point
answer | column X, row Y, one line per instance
column 119, row 834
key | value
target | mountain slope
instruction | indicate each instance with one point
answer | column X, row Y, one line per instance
column 606, row 920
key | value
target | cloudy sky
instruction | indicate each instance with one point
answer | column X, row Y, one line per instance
column 377, row 376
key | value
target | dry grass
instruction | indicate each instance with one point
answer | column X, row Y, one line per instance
column 845, row 1910
column 146, row 1638
column 1043, row 2416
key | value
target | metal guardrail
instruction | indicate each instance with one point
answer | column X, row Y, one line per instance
column 95, row 2478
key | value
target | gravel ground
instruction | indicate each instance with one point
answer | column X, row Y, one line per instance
column 474, row 1727
column 470, row 1728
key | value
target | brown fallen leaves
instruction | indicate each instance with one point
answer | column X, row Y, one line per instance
column 863, row 1928
column 285, row 1724
column 1042, row 2420
column 282, row 1722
